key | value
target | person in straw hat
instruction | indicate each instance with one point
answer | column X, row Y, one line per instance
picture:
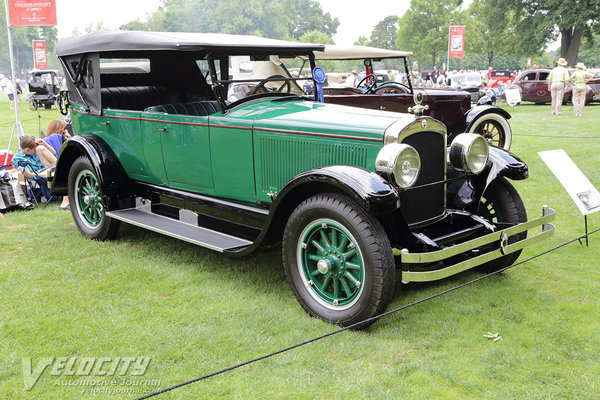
column 557, row 81
column 580, row 88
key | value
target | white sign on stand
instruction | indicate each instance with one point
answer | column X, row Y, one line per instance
column 513, row 96
column 584, row 194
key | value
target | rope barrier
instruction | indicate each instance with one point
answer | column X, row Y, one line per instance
column 375, row 318
column 561, row 137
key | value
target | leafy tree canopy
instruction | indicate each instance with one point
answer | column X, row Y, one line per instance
column 279, row 19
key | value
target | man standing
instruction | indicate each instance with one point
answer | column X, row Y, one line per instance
column 557, row 81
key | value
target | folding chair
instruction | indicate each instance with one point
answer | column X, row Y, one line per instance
column 37, row 187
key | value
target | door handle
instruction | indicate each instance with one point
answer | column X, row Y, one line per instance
column 105, row 123
column 382, row 108
column 162, row 129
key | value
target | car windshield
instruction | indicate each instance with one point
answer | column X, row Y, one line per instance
column 466, row 80
column 252, row 76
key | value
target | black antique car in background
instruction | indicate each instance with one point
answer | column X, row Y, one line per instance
column 451, row 106
column 43, row 88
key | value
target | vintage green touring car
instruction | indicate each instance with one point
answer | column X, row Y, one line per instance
column 210, row 139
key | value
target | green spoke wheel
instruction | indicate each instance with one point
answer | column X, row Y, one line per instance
column 338, row 260
column 324, row 254
column 89, row 199
column 87, row 202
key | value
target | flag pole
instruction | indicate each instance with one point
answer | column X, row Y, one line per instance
column 17, row 124
column 448, row 63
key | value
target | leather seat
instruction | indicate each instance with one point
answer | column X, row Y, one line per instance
column 196, row 108
column 136, row 97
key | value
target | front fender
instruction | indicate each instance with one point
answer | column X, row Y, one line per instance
column 369, row 190
column 109, row 171
column 501, row 163
column 465, row 123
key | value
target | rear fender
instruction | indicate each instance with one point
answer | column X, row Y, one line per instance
column 112, row 177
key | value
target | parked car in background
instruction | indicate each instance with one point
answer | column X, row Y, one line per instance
column 236, row 156
column 501, row 76
column 452, row 106
column 469, row 82
column 533, row 86
column 43, row 88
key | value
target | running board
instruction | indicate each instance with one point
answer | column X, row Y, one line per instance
column 185, row 228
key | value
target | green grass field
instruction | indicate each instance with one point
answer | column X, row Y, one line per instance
column 193, row 311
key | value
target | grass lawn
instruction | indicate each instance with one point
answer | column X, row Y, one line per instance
column 194, row 311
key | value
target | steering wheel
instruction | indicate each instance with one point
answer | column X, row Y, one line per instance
column 369, row 87
column 399, row 86
column 262, row 84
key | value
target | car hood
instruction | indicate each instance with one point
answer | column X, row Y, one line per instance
column 310, row 117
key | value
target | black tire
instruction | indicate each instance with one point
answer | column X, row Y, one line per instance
column 501, row 203
column 87, row 202
column 349, row 229
column 494, row 128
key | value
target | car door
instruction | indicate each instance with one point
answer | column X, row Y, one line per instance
column 528, row 84
column 186, row 153
column 541, row 85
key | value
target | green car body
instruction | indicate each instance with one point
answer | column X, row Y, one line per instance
column 209, row 139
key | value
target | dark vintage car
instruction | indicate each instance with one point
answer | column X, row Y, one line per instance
column 451, row 106
column 236, row 157
column 43, row 88
column 533, row 86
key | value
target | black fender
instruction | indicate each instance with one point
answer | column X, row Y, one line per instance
column 471, row 116
column 112, row 177
column 466, row 193
column 365, row 187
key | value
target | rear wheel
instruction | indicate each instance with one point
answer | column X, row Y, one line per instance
column 338, row 260
column 87, row 203
column 494, row 128
column 501, row 204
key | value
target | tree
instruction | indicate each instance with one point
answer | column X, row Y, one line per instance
column 384, row 33
column 487, row 30
column 541, row 21
column 424, row 28
column 280, row 19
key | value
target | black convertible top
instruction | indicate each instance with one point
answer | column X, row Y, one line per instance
column 107, row 41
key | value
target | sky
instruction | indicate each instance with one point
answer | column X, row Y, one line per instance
column 356, row 18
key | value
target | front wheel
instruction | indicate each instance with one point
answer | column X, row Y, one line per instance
column 338, row 260
column 495, row 129
column 87, row 203
column 502, row 205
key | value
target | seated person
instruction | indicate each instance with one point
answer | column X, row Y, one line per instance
column 56, row 135
column 38, row 156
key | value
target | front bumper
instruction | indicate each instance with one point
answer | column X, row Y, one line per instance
column 502, row 249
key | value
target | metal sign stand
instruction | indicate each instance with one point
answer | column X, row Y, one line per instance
column 17, row 125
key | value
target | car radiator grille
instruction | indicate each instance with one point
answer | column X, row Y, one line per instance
column 426, row 200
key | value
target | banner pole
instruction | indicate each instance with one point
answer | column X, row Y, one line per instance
column 448, row 63
column 17, row 123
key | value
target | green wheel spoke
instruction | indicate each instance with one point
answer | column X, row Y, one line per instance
column 343, row 243
column 333, row 237
column 315, row 273
column 314, row 257
column 355, row 282
column 345, row 287
column 326, row 283
column 324, row 238
column 318, row 246
column 350, row 265
column 350, row 254
column 336, row 289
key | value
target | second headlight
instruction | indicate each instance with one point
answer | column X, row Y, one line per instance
column 399, row 163
column 469, row 152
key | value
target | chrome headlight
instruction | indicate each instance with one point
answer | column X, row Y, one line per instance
column 399, row 163
column 469, row 152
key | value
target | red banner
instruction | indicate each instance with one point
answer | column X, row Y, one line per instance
column 456, row 46
column 40, row 59
column 32, row 12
